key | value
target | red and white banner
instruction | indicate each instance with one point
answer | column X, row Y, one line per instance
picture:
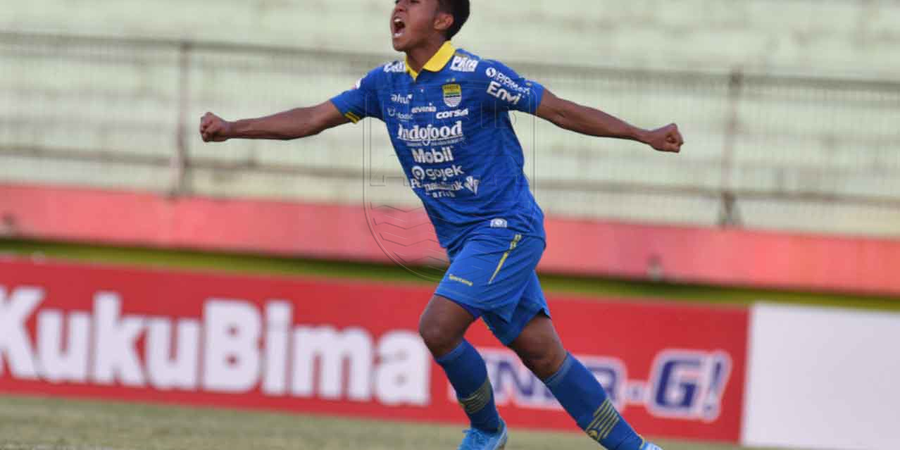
column 346, row 348
column 345, row 233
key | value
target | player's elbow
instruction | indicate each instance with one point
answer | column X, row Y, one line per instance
column 556, row 110
column 560, row 117
column 309, row 128
column 313, row 130
column 559, row 113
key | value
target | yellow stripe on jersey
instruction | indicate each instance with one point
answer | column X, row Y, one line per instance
column 353, row 117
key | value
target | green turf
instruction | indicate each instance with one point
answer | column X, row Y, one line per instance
column 255, row 264
column 39, row 423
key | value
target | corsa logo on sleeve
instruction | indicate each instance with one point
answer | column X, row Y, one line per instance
column 452, row 95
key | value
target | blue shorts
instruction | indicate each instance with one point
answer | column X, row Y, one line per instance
column 492, row 275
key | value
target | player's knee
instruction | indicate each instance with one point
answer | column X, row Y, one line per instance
column 544, row 366
column 437, row 337
column 543, row 361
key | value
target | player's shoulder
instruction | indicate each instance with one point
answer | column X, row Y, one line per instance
column 391, row 68
column 479, row 68
column 469, row 65
column 383, row 73
column 463, row 63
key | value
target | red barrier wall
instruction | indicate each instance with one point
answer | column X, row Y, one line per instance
column 346, row 349
column 684, row 254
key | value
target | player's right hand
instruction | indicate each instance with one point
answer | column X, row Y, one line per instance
column 214, row 129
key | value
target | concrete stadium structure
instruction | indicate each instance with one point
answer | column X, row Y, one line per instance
column 789, row 107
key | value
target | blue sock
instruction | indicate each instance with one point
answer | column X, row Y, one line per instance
column 579, row 392
column 468, row 374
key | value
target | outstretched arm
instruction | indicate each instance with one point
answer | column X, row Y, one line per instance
column 293, row 124
column 582, row 119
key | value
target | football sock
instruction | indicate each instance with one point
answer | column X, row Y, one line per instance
column 582, row 396
column 468, row 374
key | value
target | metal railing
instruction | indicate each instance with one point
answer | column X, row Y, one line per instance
column 763, row 151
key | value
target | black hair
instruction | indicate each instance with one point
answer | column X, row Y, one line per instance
column 459, row 9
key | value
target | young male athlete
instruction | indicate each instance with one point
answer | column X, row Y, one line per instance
column 447, row 112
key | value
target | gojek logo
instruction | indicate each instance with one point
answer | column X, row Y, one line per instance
column 444, row 174
column 431, row 135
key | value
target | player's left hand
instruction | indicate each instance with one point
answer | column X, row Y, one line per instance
column 666, row 139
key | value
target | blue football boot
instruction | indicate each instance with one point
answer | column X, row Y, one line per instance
column 481, row 440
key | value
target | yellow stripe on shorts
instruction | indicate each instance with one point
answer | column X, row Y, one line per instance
column 512, row 246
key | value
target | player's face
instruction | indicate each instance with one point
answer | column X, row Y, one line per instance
column 413, row 22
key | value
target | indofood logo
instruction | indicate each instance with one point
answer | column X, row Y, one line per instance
column 431, row 134
column 429, row 145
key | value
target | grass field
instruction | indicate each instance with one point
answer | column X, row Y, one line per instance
column 45, row 424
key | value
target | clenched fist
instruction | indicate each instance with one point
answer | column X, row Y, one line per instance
column 665, row 139
column 214, row 129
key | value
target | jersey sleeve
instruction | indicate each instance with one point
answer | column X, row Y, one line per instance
column 362, row 100
column 507, row 90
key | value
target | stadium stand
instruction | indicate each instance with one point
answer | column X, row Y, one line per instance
column 781, row 135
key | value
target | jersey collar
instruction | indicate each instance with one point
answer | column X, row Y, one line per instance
column 437, row 62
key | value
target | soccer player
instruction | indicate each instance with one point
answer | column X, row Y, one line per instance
column 447, row 112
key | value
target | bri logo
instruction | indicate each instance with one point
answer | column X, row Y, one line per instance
column 431, row 134
column 684, row 384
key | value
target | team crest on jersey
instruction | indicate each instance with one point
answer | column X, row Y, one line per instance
column 452, row 95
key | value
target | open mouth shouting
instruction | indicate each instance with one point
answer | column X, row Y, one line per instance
column 398, row 27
